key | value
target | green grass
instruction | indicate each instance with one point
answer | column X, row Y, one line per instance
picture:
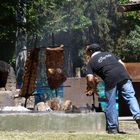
column 4, row 135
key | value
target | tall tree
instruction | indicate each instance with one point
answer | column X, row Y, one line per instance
column 21, row 40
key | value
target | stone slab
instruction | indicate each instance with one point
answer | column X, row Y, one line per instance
column 6, row 98
column 56, row 122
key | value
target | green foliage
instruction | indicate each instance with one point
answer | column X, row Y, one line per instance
column 68, row 17
column 83, row 21
column 133, row 45
column 132, row 14
column 123, row 1
column 7, row 21
column 40, row 13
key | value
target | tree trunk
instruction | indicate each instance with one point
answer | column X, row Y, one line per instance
column 21, row 41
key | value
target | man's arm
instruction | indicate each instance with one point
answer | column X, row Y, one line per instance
column 120, row 61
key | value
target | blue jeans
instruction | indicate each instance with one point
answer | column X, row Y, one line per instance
column 128, row 93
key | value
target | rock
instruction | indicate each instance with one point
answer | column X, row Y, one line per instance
column 6, row 98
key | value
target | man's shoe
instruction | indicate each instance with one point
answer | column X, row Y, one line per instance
column 113, row 131
column 138, row 121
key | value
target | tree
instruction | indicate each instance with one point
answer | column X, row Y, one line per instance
column 75, row 23
column 133, row 44
column 7, row 29
column 21, row 40
column 128, row 24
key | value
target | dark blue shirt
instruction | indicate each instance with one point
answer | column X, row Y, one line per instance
column 106, row 65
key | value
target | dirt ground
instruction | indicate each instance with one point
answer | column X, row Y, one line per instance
column 129, row 127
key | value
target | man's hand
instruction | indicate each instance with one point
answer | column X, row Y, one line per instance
column 92, row 82
column 90, row 91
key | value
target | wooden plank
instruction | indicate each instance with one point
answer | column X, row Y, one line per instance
column 128, row 7
column 134, row 71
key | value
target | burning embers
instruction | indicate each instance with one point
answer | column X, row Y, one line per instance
column 54, row 105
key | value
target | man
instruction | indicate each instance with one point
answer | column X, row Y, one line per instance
column 112, row 71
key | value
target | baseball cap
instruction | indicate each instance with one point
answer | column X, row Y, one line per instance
column 93, row 47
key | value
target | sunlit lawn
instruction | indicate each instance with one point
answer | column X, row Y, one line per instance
column 65, row 136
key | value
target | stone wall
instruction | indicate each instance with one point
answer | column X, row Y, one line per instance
column 74, row 89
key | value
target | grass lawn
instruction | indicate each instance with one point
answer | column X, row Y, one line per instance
column 4, row 135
